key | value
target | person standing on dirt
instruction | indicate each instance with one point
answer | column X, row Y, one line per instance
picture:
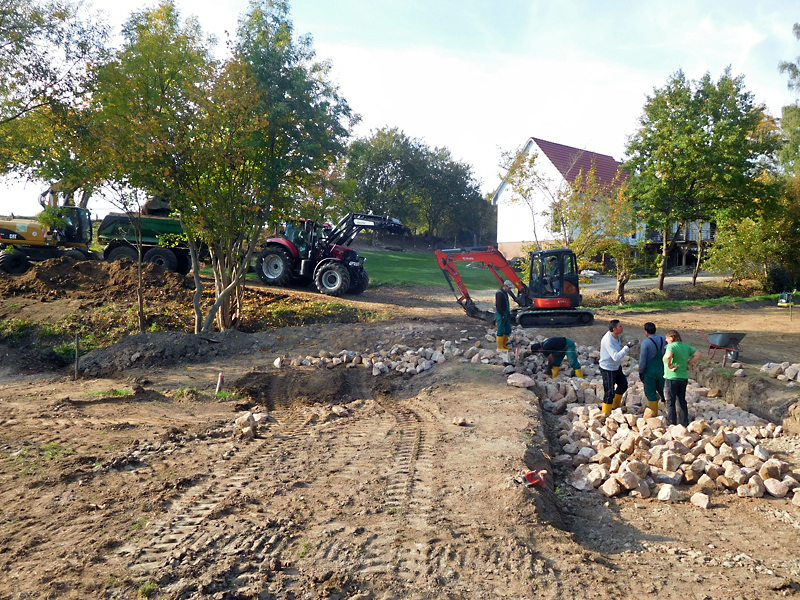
column 677, row 358
column 612, row 351
column 555, row 349
column 651, row 366
column 502, row 315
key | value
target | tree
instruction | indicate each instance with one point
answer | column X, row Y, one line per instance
column 699, row 155
column 527, row 184
column 381, row 169
column 792, row 68
column 618, row 219
column 45, row 48
column 47, row 51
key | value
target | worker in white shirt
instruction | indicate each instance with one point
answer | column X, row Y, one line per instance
column 612, row 351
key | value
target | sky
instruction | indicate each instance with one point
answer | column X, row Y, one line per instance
column 480, row 77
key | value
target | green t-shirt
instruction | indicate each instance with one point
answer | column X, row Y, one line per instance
column 681, row 353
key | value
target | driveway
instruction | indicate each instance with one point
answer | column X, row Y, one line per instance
column 604, row 283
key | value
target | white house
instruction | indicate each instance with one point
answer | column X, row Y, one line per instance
column 517, row 222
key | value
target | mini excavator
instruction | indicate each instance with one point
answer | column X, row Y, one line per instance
column 551, row 297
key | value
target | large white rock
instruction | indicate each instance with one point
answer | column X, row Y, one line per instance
column 776, row 488
column 701, row 500
column 520, row 380
column 628, row 480
column 611, row 487
column 669, row 493
column 761, row 453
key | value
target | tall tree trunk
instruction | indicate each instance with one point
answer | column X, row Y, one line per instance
column 662, row 267
column 700, row 248
column 198, row 284
column 623, row 277
column 140, row 293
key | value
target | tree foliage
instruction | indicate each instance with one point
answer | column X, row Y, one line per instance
column 426, row 188
column 700, row 154
column 45, row 47
column 47, row 51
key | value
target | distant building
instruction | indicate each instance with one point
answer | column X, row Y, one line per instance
column 560, row 164
column 516, row 221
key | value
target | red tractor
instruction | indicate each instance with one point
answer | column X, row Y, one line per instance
column 551, row 297
column 313, row 251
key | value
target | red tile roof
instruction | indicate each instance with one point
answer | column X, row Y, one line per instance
column 570, row 161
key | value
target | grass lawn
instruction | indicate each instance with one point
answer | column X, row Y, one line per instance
column 420, row 268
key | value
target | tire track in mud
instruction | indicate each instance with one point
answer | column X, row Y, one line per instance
column 367, row 515
column 225, row 478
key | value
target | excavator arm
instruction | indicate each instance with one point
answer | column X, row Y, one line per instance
column 493, row 260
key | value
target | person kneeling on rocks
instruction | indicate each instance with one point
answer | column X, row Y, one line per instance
column 555, row 350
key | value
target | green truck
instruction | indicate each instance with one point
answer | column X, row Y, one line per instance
column 119, row 234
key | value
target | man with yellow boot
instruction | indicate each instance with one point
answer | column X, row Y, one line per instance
column 555, row 350
column 612, row 351
column 502, row 315
column 651, row 366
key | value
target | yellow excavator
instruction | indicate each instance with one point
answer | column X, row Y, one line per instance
column 68, row 233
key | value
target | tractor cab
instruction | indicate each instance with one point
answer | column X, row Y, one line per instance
column 305, row 234
column 554, row 278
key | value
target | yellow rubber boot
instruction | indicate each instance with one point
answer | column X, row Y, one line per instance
column 617, row 401
column 653, row 406
column 606, row 408
column 500, row 344
column 579, row 373
column 505, row 343
column 555, row 371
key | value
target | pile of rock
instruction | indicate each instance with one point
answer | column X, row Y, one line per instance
column 642, row 456
column 784, row 371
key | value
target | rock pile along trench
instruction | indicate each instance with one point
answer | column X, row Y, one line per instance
column 631, row 451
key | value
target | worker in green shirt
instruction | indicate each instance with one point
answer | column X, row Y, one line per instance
column 677, row 358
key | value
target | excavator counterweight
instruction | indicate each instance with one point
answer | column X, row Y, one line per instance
column 551, row 297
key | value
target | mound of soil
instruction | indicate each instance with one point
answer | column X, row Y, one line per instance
column 149, row 350
column 66, row 277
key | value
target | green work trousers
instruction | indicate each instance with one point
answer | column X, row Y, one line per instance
column 570, row 353
column 653, row 380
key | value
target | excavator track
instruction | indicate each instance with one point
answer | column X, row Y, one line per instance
column 546, row 318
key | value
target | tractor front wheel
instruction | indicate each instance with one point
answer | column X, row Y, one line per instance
column 332, row 280
column 14, row 261
column 274, row 267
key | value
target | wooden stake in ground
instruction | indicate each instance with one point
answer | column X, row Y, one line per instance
column 220, row 381
column 77, row 354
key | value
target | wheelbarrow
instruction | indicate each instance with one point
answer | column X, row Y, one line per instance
column 723, row 340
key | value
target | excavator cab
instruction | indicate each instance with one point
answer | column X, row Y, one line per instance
column 554, row 279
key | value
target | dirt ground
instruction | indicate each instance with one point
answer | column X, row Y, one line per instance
column 131, row 483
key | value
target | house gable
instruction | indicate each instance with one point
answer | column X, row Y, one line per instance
column 519, row 224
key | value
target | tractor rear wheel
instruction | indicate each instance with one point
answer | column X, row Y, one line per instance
column 332, row 280
column 14, row 261
column 274, row 267
column 121, row 252
column 162, row 256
